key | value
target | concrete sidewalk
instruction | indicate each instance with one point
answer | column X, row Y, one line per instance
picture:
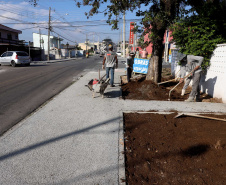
column 77, row 139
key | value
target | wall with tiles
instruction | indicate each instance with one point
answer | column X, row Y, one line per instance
column 214, row 81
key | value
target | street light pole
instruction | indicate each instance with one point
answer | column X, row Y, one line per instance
column 29, row 49
column 124, row 35
column 49, row 33
column 67, row 49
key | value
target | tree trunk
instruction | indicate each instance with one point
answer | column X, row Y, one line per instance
column 155, row 65
column 150, row 73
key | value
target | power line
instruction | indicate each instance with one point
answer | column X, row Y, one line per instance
column 16, row 8
column 62, row 36
column 33, row 27
column 14, row 19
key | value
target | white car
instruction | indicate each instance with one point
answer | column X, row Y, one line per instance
column 15, row 58
column 119, row 53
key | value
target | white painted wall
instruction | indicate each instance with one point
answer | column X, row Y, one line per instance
column 53, row 41
column 214, row 81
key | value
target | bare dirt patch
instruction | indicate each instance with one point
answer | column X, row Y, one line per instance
column 161, row 149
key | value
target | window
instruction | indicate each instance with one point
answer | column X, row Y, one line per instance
column 4, row 54
column 9, row 36
column 9, row 54
column 21, row 53
column 16, row 37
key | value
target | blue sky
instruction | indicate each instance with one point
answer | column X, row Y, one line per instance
column 68, row 21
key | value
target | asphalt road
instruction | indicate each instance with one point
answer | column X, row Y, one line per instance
column 24, row 89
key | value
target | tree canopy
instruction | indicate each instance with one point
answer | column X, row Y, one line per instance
column 199, row 33
column 197, row 24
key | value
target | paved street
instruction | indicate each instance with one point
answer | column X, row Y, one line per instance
column 23, row 89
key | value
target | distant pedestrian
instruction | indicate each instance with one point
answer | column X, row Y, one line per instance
column 111, row 64
column 194, row 64
column 137, row 53
column 129, row 66
column 144, row 54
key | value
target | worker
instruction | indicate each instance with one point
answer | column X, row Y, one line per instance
column 111, row 64
column 194, row 64
column 129, row 65
column 144, row 54
column 137, row 53
column 182, row 74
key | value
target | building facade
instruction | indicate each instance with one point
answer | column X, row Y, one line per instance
column 41, row 41
column 9, row 36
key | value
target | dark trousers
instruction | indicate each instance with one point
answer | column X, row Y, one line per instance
column 129, row 73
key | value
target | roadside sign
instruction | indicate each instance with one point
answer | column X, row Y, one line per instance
column 140, row 65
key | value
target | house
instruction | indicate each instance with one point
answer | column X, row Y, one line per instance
column 167, row 41
column 41, row 41
column 9, row 36
column 88, row 45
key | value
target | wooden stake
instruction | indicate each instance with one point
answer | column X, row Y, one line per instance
column 199, row 116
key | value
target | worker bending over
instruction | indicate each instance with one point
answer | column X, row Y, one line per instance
column 194, row 64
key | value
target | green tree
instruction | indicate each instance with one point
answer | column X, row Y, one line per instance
column 156, row 21
column 160, row 14
column 199, row 33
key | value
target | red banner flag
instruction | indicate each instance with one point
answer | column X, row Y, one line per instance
column 131, row 34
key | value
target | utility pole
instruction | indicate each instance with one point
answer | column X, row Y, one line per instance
column 166, row 47
column 121, row 39
column 86, row 42
column 49, row 28
column 124, row 35
column 40, row 38
column 134, row 39
column 59, row 47
column 58, row 42
column 29, row 49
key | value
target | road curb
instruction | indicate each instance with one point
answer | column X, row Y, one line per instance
column 122, row 171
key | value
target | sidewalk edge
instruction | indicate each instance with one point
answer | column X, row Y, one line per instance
column 122, row 172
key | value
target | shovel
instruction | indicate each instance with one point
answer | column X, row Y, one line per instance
column 175, row 79
column 167, row 81
column 180, row 83
column 199, row 116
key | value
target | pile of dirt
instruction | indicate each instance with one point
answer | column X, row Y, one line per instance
column 161, row 149
column 141, row 89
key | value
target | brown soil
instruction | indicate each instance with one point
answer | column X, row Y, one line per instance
column 141, row 89
column 161, row 149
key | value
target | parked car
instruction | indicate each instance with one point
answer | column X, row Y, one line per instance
column 119, row 53
column 15, row 58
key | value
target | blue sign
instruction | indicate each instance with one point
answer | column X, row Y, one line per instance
column 170, row 58
column 140, row 65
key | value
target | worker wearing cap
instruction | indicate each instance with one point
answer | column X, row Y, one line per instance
column 111, row 61
column 129, row 65
column 194, row 64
